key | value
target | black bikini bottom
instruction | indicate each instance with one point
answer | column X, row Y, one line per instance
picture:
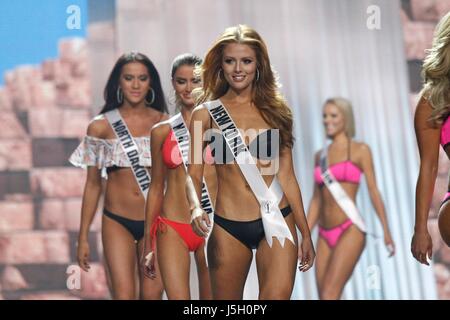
column 250, row 233
column 135, row 227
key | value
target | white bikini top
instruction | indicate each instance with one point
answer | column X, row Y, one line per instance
column 105, row 153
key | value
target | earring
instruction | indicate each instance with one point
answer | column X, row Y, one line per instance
column 218, row 75
column 119, row 95
column 152, row 99
column 257, row 74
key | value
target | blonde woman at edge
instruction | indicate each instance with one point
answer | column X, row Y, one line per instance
column 432, row 128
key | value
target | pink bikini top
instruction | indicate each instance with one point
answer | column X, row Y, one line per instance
column 445, row 133
column 345, row 171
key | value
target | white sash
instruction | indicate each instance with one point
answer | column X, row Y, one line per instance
column 268, row 198
column 182, row 135
column 343, row 200
column 130, row 148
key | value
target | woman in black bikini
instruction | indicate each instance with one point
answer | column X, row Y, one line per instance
column 237, row 70
column 134, row 89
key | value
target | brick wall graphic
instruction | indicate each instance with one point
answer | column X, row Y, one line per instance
column 419, row 19
column 45, row 110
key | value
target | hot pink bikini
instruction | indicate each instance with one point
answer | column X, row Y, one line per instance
column 445, row 133
column 345, row 171
column 445, row 140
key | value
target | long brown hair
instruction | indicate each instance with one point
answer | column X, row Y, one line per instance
column 265, row 93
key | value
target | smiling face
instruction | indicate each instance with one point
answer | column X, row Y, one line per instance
column 184, row 82
column 239, row 65
column 333, row 120
column 135, row 82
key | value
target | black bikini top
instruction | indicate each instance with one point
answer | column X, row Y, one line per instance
column 260, row 147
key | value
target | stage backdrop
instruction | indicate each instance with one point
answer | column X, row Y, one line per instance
column 320, row 48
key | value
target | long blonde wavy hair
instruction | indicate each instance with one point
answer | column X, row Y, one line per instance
column 436, row 72
column 265, row 93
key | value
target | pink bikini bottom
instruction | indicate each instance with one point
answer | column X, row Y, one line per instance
column 446, row 198
column 332, row 235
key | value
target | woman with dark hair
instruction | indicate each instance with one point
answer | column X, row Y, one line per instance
column 169, row 213
column 117, row 147
column 259, row 201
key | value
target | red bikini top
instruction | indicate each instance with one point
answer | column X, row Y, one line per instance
column 171, row 153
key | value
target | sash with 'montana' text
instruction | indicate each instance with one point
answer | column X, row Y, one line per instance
column 182, row 135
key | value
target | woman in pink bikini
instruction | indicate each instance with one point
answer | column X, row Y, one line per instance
column 341, row 238
column 167, row 215
column 432, row 127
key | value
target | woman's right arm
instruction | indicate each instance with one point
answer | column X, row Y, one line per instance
column 194, row 178
column 91, row 195
column 428, row 143
column 156, row 190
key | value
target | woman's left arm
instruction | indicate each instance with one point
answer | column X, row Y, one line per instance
column 377, row 201
column 289, row 184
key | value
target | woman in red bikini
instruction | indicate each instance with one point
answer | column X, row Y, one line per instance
column 341, row 241
column 167, row 215
column 432, row 127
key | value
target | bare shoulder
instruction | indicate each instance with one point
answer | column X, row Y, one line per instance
column 360, row 145
column 360, row 150
column 98, row 127
column 424, row 105
column 200, row 113
column 160, row 130
column 423, row 113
